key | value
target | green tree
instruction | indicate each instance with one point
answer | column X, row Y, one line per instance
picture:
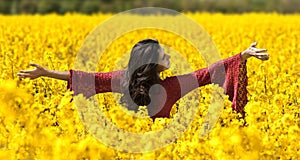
column 48, row 6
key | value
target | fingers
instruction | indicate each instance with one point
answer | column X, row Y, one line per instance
column 254, row 44
column 26, row 75
column 262, row 56
column 265, row 58
column 35, row 65
column 260, row 50
column 23, row 75
column 30, row 73
column 256, row 50
column 25, row 71
column 20, row 75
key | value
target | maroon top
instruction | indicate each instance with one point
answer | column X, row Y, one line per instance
column 230, row 74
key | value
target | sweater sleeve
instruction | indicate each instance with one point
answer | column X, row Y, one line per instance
column 89, row 84
column 230, row 74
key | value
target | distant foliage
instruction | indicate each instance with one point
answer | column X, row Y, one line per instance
column 104, row 6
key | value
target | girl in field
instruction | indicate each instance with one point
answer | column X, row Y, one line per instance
column 141, row 85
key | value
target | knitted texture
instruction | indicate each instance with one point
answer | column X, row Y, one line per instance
column 230, row 74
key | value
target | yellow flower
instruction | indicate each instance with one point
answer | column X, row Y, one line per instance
column 38, row 120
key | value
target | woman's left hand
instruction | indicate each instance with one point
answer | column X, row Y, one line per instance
column 33, row 74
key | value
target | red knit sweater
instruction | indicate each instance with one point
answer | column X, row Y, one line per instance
column 230, row 74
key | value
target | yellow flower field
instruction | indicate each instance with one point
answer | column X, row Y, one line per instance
column 38, row 120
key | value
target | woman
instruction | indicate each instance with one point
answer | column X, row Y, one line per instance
column 141, row 85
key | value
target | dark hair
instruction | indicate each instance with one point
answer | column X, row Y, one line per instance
column 141, row 74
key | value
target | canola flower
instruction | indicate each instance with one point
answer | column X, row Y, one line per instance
column 39, row 121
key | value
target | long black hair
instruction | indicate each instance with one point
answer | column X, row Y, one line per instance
column 141, row 74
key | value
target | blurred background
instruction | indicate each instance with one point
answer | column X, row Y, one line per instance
column 113, row 6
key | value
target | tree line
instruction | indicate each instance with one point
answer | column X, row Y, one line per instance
column 114, row 6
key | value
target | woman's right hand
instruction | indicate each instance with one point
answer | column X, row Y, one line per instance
column 33, row 74
column 252, row 51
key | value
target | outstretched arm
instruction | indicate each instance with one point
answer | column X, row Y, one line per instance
column 40, row 71
column 87, row 83
column 230, row 74
column 235, row 80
